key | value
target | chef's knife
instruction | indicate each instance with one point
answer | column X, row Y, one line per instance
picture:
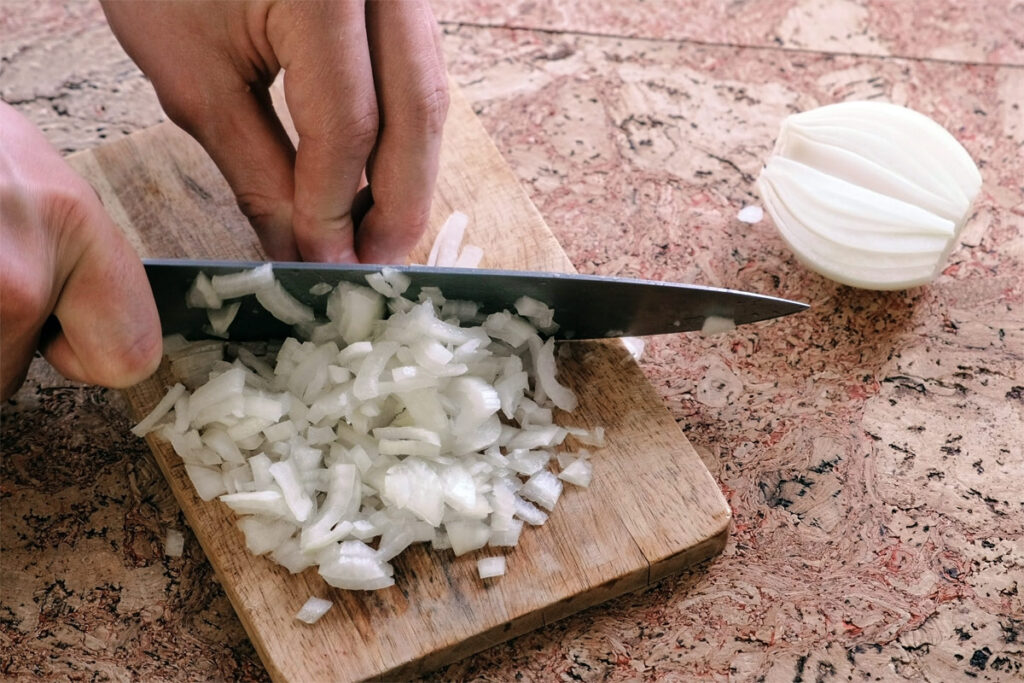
column 586, row 306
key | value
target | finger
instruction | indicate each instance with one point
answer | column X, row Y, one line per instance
column 109, row 330
column 329, row 89
column 412, row 90
column 244, row 137
column 25, row 270
column 211, row 72
column 19, row 334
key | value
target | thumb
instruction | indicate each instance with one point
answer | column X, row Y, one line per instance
column 109, row 331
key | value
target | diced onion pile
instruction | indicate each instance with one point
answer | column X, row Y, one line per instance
column 395, row 422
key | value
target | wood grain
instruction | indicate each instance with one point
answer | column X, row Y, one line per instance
column 653, row 507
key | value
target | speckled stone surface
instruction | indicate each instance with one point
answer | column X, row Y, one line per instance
column 871, row 448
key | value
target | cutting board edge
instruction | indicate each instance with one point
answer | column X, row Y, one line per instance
column 156, row 448
column 641, row 579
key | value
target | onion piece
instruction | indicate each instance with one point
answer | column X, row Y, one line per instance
column 506, row 537
column 221, row 318
column 298, row 501
column 162, row 408
column 635, row 346
column 538, row 313
column 313, row 609
column 235, row 285
column 578, row 472
column 490, row 567
column 444, row 251
column 389, row 282
column 283, row 306
column 544, row 360
column 529, row 513
column 750, row 214
column 202, row 295
column 466, row 535
column 714, row 324
column 263, row 502
column 174, row 543
column 264, row 534
column 470, row 256
column 209, row 482
column 543, row 488
column 355, row 310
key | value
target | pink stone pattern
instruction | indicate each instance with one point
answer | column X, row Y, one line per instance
column 972, row 30
column 870, row 447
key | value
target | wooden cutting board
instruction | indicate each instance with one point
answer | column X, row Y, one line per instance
column 652, row 509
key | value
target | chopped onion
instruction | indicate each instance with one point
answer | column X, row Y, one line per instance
column 174, row 543
column 543, row 488
column 283, row 306
column 431, row 424
column 635, row 346
column 529, row 513
column 202, row 294
column 209, row 482
column 714, row 324
column 389, row 282
column 148, row 423
column 466, row 535
column 221, row 318
column 538, row 313
column 489, row 567
column 313, row 609
column 445, row 250
column 470, row 256
column 750, row 214
column 234, row 285
column 578, row 472
column 544, row 359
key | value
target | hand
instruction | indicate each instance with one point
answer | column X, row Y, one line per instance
column 61, row 254
column 361, row 101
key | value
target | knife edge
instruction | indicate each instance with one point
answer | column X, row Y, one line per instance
column 586, row 306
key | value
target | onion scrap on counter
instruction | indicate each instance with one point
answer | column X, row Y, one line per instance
column 391, row 422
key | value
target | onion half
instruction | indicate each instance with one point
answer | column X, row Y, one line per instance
column 869, row 194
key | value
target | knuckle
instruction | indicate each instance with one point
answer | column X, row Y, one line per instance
column 429, row 107
column 26, row 298
column 361, row 127
column 184, row 103
column 270, row 218
column 261, row 209
column 138, row 358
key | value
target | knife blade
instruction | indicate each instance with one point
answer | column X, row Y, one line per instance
column 586, row 306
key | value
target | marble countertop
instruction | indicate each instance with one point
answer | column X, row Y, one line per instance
column 871, row 448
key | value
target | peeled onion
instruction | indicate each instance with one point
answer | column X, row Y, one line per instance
column 869, row 194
